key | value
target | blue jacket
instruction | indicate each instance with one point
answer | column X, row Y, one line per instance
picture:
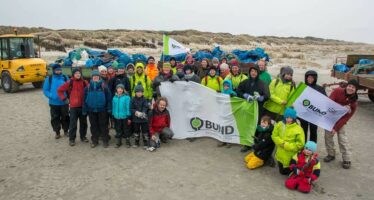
column 97, row 98
column 121, row 107
column 50, row 90
column 230, row 91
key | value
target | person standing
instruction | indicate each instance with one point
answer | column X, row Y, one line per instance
column 73, row 92
column 346, row 97
column 59, row 109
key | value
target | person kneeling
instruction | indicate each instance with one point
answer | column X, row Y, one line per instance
column 160, row 124
column 305, row 169
column 263, row 146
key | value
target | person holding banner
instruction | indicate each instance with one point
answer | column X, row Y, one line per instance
column 254, row 89
column 346, row 97
column 280, row 89
column 288, row 137
column 166, row 75
column 311, row 77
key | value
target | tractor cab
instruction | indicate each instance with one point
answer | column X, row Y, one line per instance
column 20, row 62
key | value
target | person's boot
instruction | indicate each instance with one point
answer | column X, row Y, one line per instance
column 84, row 140
column 105, row 144
column 329, row 158
column 57, row 136
column 118, row 142
column 136, row 143
column 93, row 145
column 128, row 143
column 71, row 143
column 245, row 148
column 270, row 162
column 346, row 164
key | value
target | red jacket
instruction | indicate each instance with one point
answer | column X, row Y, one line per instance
column 159, row 120
column 339, row 96
column 75, row 89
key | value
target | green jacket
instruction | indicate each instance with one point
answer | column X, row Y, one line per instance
column 279, row 92
column 146, row 83
column 215, row 83
column 292, row 136
column 265, row 76
column 236, row 80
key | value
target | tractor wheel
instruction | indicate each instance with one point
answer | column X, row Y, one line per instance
column 371, row 95
column 9, row 85
column 38, row 84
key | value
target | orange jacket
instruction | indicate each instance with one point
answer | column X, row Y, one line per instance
column 151, row 71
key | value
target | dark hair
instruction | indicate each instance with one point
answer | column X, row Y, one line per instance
column 266, row 118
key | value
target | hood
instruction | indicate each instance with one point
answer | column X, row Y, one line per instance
column 258, row 72
column 230, row 90
column 311, row 73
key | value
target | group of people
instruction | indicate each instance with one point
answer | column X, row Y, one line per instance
column 128, row 99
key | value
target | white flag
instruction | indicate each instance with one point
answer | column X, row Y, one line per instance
column 172, row 47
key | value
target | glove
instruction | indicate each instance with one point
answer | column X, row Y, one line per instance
column 248, row 97
column 259, row 98
column 171, row 80
column 137, row 114
column 66, row 101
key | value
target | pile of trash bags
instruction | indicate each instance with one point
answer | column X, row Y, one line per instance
column 85, row 57
column 243, row 56
column 365, row 62
column 341, row 67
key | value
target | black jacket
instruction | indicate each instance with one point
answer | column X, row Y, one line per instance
column 264, row 145
column 119, row 79
column 139, row 104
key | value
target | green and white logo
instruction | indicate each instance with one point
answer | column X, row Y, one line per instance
column 306, row 102
column 196, row 123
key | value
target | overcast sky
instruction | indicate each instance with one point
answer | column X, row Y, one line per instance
column 350, row 20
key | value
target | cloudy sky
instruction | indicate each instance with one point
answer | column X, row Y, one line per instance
column 350, row 20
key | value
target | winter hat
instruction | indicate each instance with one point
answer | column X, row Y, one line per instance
column 187, row 67
column 234, row 63
column 55, row 66
column 120, row 86
column 150, row 57
column 102, row 68
column 95, row 73
column 121, row 66
column 290, row 112
column 114, row 64
column 311, row 73
column 130, row 65
column 354, row 83
column 224, row 66
column 286, row 70
column 311, row 146
column 166, row 65
column 139, row 87
column 74, row 70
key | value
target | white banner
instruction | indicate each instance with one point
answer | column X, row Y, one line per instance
column 197, row 111
column 318, row 109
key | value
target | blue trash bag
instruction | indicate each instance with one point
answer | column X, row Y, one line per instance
column 365, row 62
column 68, row 62
column 125, row 59
column 179, row 57
column 250, row 56
column 115, row 52
column 136, row 57
column 89, row 63
column 341, row 68
column 94, row 53
column 200, row 55
column 218, row 53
